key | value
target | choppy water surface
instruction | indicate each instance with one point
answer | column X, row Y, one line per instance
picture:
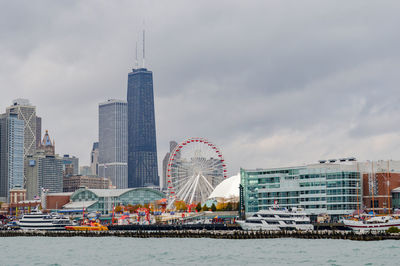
column 128, row 251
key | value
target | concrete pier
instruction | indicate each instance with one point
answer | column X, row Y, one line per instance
column 216, row 234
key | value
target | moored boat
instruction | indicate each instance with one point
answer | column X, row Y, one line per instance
column 274, row 219
column 91, row 226
column 375, row 223
column 36, row 220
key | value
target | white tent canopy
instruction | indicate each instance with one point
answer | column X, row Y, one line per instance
column 227, row 189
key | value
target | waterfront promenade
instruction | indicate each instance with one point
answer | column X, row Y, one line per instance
column 216, row 234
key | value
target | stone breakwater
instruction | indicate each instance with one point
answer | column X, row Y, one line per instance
column 217, row 234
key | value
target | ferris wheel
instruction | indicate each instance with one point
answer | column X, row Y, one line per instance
column 195, row 167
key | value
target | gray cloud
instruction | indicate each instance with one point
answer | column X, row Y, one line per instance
column 270, row 82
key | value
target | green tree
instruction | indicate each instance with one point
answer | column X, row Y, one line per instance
column 213, row 207
column 198, row 207
column 393, row 229
column 205, row 208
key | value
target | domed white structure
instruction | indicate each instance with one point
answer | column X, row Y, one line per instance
column 227, row 189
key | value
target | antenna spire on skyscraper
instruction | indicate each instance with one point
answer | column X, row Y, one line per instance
column 136, row 58
column 144, row 46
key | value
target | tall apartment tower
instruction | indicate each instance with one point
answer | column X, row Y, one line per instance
column 50, row 173
column 11, row 154
column 142, row 147
column 113, row 142
column 172, row 145
column 26, row 112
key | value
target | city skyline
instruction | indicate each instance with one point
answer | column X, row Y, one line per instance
column 152, row 124
column 315, row 83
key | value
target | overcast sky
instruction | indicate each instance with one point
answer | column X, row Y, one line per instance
column 272, row 83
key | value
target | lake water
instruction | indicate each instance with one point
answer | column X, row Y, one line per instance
column 169, row 251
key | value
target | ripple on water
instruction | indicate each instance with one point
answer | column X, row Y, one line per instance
column 122, row 251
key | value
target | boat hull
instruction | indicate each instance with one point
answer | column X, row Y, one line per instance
column 277, row 220
column 374, row 227
column 86, row 228
column 257, row 227
column 42, row 228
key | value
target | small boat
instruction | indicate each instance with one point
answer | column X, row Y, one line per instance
column 90, row 226
column 13, row 225
column 274, row 219
column 375, row 223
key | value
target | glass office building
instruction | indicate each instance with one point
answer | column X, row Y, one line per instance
column 11, row 154
column 15, row 152
column 142, row 148
column 26, row 112
column 113, row 142
column 334, row 189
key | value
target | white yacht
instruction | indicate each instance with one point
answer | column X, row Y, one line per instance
column 274, row 219
column 36, row 220
column 375, row 223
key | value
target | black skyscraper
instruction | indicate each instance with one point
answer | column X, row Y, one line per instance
column 142, row 149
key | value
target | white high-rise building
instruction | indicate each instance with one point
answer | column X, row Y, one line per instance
column 113, row 142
